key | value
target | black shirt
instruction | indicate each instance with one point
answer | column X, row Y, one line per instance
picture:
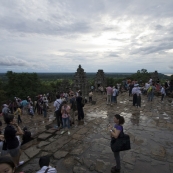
column 10, row 137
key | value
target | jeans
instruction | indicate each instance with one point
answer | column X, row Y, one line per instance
column 19, row 119
column 150, row 96
column 66, row 122
column 162, row 97
column 114, row 99
column 45, row 114
column 108, row 99
column 117, row 158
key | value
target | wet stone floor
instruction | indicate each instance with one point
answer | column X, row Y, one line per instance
column 87, row 149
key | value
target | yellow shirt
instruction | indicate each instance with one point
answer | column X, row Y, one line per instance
column 18, row 112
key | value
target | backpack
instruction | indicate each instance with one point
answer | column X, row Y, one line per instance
column 150, row 89
column 60, row 106
column 116, row 92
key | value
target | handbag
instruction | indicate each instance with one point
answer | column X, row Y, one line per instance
column 121, row 143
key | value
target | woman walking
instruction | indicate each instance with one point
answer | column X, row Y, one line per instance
column 115, row 133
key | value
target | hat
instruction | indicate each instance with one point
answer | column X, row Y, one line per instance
column 136, row 85
column 5, row 105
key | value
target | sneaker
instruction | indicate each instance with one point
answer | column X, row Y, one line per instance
column 20, row 163
column 68, row 132
column 62, row 132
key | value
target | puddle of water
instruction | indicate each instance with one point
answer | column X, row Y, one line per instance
column 165, row 114
column 166, row 118
column 97, row 114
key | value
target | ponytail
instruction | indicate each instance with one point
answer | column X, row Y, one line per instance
column 120, row 118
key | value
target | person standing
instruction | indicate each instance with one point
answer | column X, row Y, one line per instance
column 109, row 95
column 115, row 132
column 130, row 88
column 80, row 106
column 90, row 96
column 134, row 93
column 73, row 108
column 65, row 111
column 114, row 94
column 57, row 105
column 150, row 92
column 44, row 109
column 163, row 92
column 18, row 112
column 12, row 142
column 5, row 110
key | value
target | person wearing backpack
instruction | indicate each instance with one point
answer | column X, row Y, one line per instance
column 73, row 108
column 57, row 105
column 80, row 105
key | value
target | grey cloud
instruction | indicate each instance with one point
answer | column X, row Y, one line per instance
column 11, row 61
column 113, row 55
column 153, row 49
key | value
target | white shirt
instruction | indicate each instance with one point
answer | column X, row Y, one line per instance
column 114, row 92
column 50, row 170
column 134, row 90
column 163, row 91
column 57, row 104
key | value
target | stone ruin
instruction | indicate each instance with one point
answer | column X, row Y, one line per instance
column 154, row 76
column 81, row 82
column 100, row 79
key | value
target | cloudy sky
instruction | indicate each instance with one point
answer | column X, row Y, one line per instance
column 113, row 35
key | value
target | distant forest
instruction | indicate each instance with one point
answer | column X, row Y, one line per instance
column 56, row 76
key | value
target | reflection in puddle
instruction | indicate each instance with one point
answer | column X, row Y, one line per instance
column 97, row 114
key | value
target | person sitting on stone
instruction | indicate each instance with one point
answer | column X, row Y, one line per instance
column 44, row 163
column 26, row 136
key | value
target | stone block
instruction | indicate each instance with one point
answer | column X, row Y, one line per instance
column 44, row 136
column 43, row 143
column 60, row 154
column 32, row 151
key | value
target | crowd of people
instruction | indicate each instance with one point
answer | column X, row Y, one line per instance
column 68, row 111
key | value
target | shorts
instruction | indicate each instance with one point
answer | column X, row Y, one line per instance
column 14, row 152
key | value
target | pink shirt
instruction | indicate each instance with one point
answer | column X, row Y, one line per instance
column 65, row 111
column 109, row 90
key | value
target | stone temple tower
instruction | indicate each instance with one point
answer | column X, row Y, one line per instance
column 81, row 82
column 100, row 79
